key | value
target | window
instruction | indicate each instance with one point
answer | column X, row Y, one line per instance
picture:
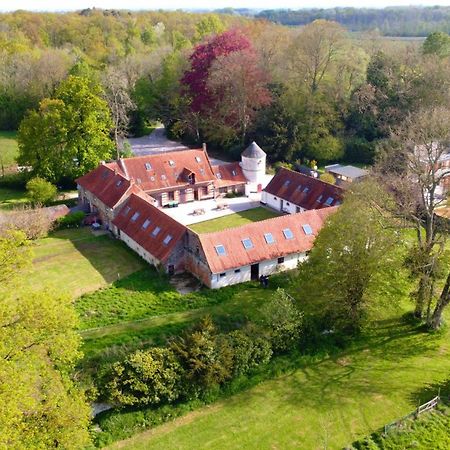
column 307, row 229
column 163, row 177
column 171, row 163
column 152, row 178
column 156, row 231
column 146, row 224
column 223, row 275
column 306, row 190
column 233, row 172
column 138, row 181
column 269, row 238
column 126, row 210
column 135, row 216
column 167, row 239
column 198, row 159
column 105, row 173
column 219, row 176
column 220, row 250
column 281, row 260
column 202, row 171
column 287, row 183
column 119, row 182
column 319, row 198
column 237, row 271
column 247, row 243
column 288, row 233
column 299, row 187
column 329, row 201
column 148, row 166
column 275, row 198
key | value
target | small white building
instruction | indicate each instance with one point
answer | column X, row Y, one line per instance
column 253, row 163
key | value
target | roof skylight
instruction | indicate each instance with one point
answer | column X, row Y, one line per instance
column 156, row 231
column 220, row 250
column 288, row 233
column 307, row 229
column 269, row 238
column 146, row 224
column 247, row 243
column 329, row 201
column 167, row 239
column 306, row 190
column 148, row 166
column 135, row 216
column 198, row 159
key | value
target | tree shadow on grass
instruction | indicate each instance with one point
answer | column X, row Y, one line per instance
column 429, row 391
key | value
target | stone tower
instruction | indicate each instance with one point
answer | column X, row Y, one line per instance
column 253, row 163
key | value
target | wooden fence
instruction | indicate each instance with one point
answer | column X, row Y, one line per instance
column 416, row 413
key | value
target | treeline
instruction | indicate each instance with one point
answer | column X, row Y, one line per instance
column 393, row 21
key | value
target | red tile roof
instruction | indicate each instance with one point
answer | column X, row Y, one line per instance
column 106, row 184
column 304, row 191
column 229, row 174
column 237, row 256
column 166, row 170
column 154, row 244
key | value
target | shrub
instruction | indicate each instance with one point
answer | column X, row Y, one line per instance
column 34, row 222
column 205, row 356
column 40, row 191
column 328, row 178
column 146, row 378
column 282, row 320
column 72, row 220
column 248, row 352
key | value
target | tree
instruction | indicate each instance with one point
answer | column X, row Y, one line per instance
column 117, row 93
column 239, row 88
column 40, row 191
column 68, row 135
column 147, row 377
column 354, row 266
column 205, row 357
column 411, row 168
column 41, row 405
column 196, row 78
column 283, row 321
column 210, row 24
column 437, row 43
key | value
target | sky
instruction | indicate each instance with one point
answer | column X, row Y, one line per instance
column 64, row 5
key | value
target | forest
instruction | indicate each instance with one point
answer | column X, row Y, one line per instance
column 391, row 21
column 308, row 93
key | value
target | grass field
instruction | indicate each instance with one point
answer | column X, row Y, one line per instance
column 8, row 148
column 430, row 431
column 325, row 402
column 10, row 198
column 76, row 261
column 233, row 220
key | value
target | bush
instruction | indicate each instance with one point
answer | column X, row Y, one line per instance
column 282, row 320
column 328, row 178
column 34, row 222
column 146, row 378
column 72, row 220
column 248, row 352
column 40, row 191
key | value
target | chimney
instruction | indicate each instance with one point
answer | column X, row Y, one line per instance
column 204, row 146
column 124, row 167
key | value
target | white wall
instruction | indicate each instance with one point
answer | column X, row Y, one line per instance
column 265, row 268
column 274, row 202
column 138, row 249
column 254, row 169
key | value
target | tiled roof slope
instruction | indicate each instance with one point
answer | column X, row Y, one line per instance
column 229, row 174
column 304, row 191
column 106, row 184
column 133, row 225
column 237, row 256
column 167, row 170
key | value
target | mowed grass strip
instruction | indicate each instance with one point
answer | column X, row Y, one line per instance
column 8, row 148
column 321, row 403
column 76, row 261
column 10, row 198
column 234, row 220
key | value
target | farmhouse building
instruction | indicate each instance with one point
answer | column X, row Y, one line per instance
column 245, row 253
column 130, row 195
column 292, row 192
column 346, row 174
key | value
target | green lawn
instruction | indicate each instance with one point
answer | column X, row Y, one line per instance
column 234, row 220
column 76, row 261
column 319, row 402
column 9, row 198
column 8, row 148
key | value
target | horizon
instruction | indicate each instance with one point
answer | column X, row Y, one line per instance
column 203, row 5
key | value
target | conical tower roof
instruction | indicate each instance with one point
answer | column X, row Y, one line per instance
column 253, row 151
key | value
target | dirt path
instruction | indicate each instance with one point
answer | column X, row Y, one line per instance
column 156, row 142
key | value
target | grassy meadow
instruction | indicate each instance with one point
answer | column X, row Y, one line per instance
column 233, row 220
column 8, row 149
